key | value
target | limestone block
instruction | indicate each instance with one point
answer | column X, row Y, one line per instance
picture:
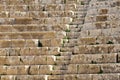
column 27, row 60
column 50, row 60
column 110, row 68
column 24, row 51
column 80, row 49
column 40, row 60
column 34, row 51
column 70, row 7
column 60, row 13
column 43, row 35
column 84, row 77
column 2, row 7
column 87, row 40
column 4, row 14
column 101, row 18
column 31, row 43
column 56, row 42
column 84, row 33
column 22, row 70
column 36, row 14
column 18, row 28
column 3, row 60
column 14, row 14
column 70, row 77
column 45, row 42
column 54, row 7
column 115, row 31
column 16, row 2
column 2, row 70
column 38, row 77
column 72, row 68
column 18, row 43
column 57, row 77
column 11, row 70
column 44, row 51
column 106, row 76
column 95, row 32
column 22, row 77
column 36, row 7
column 34, row 70
column 54, row 51
column 94, row 58
column 13, row 60
column 5, row 28
column 103, row 11
column 88, row 69
column 44, row 69
column 23, row 20
column 7, row 77
column 3, row 52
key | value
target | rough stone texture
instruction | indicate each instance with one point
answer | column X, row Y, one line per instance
column 59, row 40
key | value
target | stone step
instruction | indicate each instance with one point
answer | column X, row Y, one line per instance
column 28, row 35
column 37, row 14
column 75, row 28
column 99, row 40
column 30, row 20
column 104, row 3
column 33, row 27
column 19, row 43
column 112, row 76
column 94, row 58
column 31, row 51
column 33, row 70
column 38, row 7
column 100, row 32
column 34, row 60
column 93, row 68
column 102, row 17
column 95, row 49
column 73, row 35
column 101, row 10
column 21, row 77
column 70, row 43
column 101, row 25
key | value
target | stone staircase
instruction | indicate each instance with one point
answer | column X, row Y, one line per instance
column 59, row 40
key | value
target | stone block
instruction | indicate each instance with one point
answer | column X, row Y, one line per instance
column 12, row 60
column 14, row 14
column 94, row 58
column 24, row 51
column 7, row 77
column 87, row 69
column 23, row 20
column 3, row 60
column 18, row 43
column 55, row 77
column 33, row 70
column 3, row 52
column 44, row 69
column 105, row 76
column 2, row 70
column 37, row 14
column 27, row 60
column 11, row 70
column 84, row 77
column 72, row 68
column 70, row 77
column 40, row 60
column 22, row 70
column 110, row 68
